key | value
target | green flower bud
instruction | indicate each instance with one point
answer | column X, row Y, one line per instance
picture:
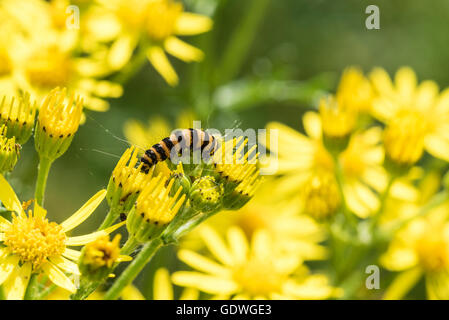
column 154, row 210
column 206, row 195
column 18, row 117
column 57, row 123
column 9, row 151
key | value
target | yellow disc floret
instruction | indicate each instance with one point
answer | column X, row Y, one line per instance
column 34, row 239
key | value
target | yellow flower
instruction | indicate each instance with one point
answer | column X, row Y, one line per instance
column 126, row 182
column 9, row 151
column 405, row 105
column 291, row 233
column 32, row 244
column 304, row 159
column 163, row 288
column 57, row 123
column 244, row 271
column 18, row 117
column 337, row 119
column 46, row 54
column 154, row 209
column 354, row 91
column 156, row 23
column 103, row 252
column 421, row 248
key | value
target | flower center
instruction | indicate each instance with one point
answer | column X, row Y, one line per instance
column 34, row 239
column 49, row 68
column 161, row 19
column 404, row 137
column 259, row 278
column 321, row 195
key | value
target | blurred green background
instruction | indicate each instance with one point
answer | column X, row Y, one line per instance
column 265, row 60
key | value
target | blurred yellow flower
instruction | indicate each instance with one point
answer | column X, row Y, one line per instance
column 354, row 91
column 416, row 116
column 421, row 248
column 156, row 25
column 245, row 270
column 292, row 233
column 31, row 244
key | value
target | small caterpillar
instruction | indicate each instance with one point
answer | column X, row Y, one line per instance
column 184, row 138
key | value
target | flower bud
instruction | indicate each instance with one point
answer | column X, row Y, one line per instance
column 206, row 195
column 9, row 151
column 57, row 123
column 98, row 257
column 126, row 183
column 155, row 208
column 18, row 116
column 181, row 180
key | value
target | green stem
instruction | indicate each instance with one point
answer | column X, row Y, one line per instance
column 42, row 174
column 133, row 269
column 32, row 289
column 241, row 41
column 109, row 219
column 129, row 246
column 44, row 294
column 2, row 294
column 383, row 200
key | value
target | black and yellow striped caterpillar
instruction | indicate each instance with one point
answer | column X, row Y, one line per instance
column 194, row 139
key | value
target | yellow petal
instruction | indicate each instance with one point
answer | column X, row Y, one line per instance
column 66, row 265
column 402, row 284
column 405, row 81
column 131, row 293
column 84, row 212
column 7, row 266
column 9, row 197
column 189, row 294
column 17, row 283
column 208, row 284
column 71, row 254
column 121, row 52
column 160, row 62
column 437, row 146
column 58, row 277
column 4, row 224
column 312, row 125
column 238, row 244
column 191, row 24
column 82, row 240
column 162, row 287
column 201, row 263
column 216, row 245
column 182, row 50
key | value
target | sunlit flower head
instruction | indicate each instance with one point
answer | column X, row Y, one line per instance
column 156, row 23
column 58, row 121
column 301, row 158
column 242, row 270
column 103, row 252
column 126, row 182
column 338, row 120
column 405, row 104
column 18, row 116
column 354, row 91
column 32, row 244
column 421, row 248
column 155, row 208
